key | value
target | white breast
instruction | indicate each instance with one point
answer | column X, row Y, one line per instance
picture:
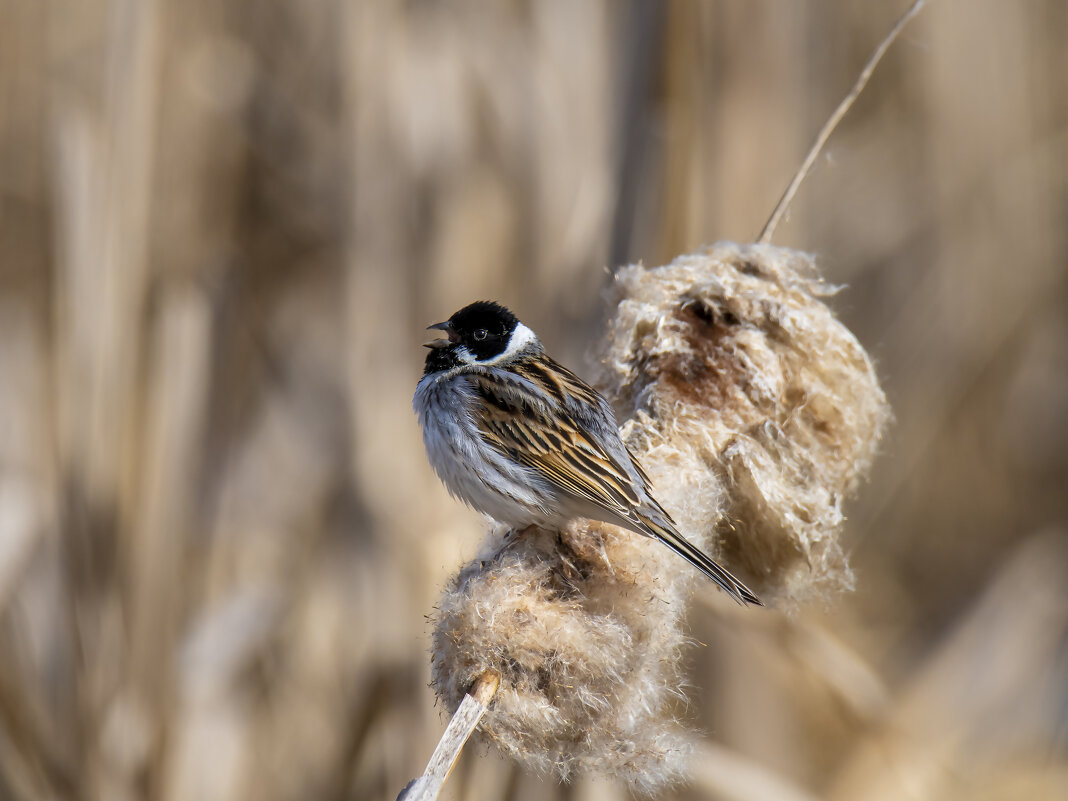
column 471, row 470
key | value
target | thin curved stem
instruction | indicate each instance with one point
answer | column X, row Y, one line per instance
column 835, row 118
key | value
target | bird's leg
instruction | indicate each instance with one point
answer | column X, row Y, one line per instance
column 510, row 538
column 604, row 553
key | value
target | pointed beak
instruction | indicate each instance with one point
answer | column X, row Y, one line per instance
column 441, row 343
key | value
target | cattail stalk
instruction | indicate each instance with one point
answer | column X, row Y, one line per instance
column 836, row 117
column 460, row 728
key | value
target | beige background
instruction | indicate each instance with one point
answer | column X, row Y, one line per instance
column 223, row 228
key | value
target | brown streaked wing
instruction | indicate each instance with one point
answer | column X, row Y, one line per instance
column 557, row 449
column 641, row 470
column 557, row 381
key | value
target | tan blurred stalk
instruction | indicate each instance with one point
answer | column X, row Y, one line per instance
column 979, row 696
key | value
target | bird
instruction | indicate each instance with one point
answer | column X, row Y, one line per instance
column 519, row 437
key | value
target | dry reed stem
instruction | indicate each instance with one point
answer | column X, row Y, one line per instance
column 460, row 728
column 961, row 711
column 813, row 650
column 835, row 118
column 21, row 529
column 728, row 776
column 22, row 725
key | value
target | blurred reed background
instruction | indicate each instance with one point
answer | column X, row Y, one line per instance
column 224, row 225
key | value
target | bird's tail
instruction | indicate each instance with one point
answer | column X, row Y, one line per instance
column 667, row 534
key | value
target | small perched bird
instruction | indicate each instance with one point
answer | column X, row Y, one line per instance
column 519, row 437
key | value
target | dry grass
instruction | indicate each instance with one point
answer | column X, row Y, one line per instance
column 223, row 226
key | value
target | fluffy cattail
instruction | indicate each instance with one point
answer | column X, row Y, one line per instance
column 755, row 412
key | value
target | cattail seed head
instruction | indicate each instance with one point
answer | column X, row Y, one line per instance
column 756, row 413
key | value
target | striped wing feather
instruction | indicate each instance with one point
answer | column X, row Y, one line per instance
column 523, row 427
column 564, row 455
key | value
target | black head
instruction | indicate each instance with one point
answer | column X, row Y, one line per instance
column 477, row 333
column 484, row 328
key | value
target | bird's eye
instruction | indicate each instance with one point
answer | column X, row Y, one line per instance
column 480, row 334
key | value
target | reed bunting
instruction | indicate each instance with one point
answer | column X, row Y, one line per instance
column 519, row 437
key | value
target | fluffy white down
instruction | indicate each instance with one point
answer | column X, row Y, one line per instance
column 473, row 471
